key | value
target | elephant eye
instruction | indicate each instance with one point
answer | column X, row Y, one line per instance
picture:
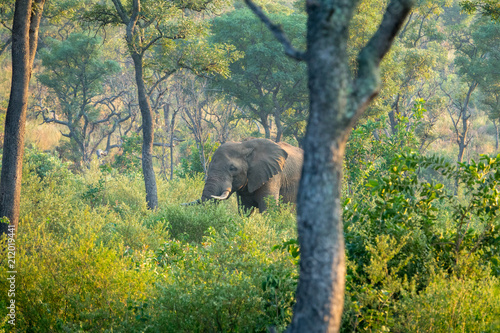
column 233, row 168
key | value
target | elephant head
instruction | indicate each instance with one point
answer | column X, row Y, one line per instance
column 236, row 165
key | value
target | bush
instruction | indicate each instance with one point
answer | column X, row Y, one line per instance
column 69, row 280
column 191, row 166
column 450, row 304
column 192, row 223
column 230, row 282
column 92, row 257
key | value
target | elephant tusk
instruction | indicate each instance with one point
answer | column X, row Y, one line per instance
column 223, row 196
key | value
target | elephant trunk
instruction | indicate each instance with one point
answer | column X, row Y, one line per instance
column 216, row 189
column 192, row 203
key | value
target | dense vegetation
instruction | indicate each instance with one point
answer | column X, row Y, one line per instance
column 421, row 176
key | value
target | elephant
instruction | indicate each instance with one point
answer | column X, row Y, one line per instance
column 254, row 169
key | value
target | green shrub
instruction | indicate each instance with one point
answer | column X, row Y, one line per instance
column 230, row 282
column 70, row 281
column 192, row 223
column 93, row 258
column 130, row 158
column 191, row 165
column 409, row 230
column 44, row 165
column 450, row 304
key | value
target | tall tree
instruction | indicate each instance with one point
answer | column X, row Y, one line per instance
column 265, row 82
column 75, row 73
column 27, row 16
column 477, row 63
column 490, row 85
column 336, row 102
column 159, row 24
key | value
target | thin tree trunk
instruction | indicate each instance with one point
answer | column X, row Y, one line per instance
column 166, row 124
column 496, row 134
column 461, row 150
column 279, row 126
column 172, row 127
column 24, row 43
column 462, row 137
column 147, row 134
column 267, row 130
column 392, row 116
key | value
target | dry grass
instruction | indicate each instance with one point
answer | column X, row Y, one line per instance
column 43, row 136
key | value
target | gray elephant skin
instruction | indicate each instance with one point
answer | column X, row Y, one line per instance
column 254, row 169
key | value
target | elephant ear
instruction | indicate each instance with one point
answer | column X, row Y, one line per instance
column 266, row 160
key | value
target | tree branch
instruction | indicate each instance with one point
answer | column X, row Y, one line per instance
column 4, row 47
column 277, row 32
column 121, row 11
column 153, row 41
column 160, row 80
column 136, row 7
column 367, row 82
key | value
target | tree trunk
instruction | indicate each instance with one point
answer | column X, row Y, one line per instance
column 147, row 134
column 265, row 123
column 172, row 127
column 279, row 125
column 320, row 292
column 461, row 149
column 336, row 103
column 392, row 116
column 166, row 131
column 462, row 137
column 496, row 134
column 24, row 43
column 201, row 155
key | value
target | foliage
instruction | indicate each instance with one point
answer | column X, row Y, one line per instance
column 93, row 258
column 265, row 82
column 221, row 282
column 192, row 165
column 44, row 165
column 453, row 305
column 191, row 225
column 75, row 72
column 398, row 238
column 366, row 153
column 489, row 8
column 129, row 160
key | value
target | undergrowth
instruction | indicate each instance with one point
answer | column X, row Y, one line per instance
column 92, row 258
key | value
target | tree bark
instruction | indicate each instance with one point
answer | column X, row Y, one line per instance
column 279, row 125
column 24, row 43
column 133, row 37
column 336, row 102
column 464, row 117
column 147, row 134
column 265, row 124
column 495, row 123
column 320, row 292
column 172, row 127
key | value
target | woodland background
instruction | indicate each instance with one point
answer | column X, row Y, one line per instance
column 420, row 178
